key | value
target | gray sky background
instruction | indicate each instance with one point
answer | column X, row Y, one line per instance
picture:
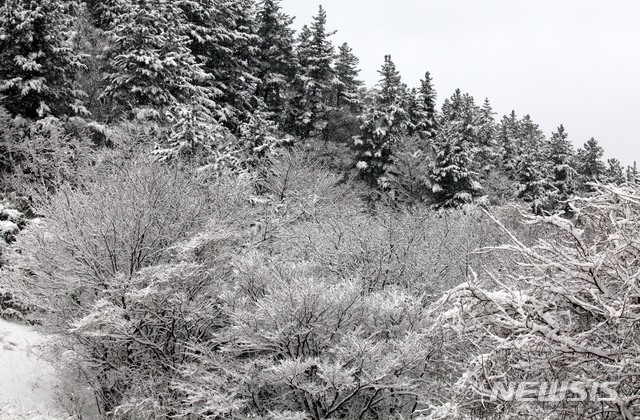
column 571, row 62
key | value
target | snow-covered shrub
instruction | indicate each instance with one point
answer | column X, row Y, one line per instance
column 570, row 313
column 43, row 154
column 95, row 263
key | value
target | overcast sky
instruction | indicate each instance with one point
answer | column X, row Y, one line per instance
column 571, row 62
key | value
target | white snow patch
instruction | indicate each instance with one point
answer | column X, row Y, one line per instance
column 27, row 382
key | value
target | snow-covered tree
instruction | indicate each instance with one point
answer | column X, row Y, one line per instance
column 561, row 156
column 509, row 142
column 454, row 177
column 347, row 84
column 383, row 123
column 423, row 110
column 150, row 67
column 315, row 80
column 487, row 154
column 590, row 166
column 37, row 60
column 633, row 175
column 532, row 167
column 277, row 60
column 615, row 173
column 453, row 180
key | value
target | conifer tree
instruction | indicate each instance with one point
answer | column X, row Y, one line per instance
column 486, row 154
column 632, row 174
column 383, row 123
column 615, row 174
column 454, row 180
column 223, row 38
column 423, row 110
column 277, row 61
column 561, row 156
column 105, row 12
column 347, row 84
column 590, row 165
column 37, row 61
column 315, row 81
column 533, row 169
column 509, row 143
column 150, row 67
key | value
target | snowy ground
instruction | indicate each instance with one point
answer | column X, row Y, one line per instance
column 27, row 382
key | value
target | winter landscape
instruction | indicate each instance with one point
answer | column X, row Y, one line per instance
column 206, row 213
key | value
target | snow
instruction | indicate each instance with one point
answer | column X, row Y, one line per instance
column 8, row 227
column 27, row 382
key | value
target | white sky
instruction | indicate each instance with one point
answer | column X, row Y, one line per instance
column 571, row 62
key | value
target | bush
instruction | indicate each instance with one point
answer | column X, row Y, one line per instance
column 570, row 313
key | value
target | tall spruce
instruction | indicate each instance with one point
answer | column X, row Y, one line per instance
column 615, row 173
column 315, row 81
column 423, row 112
column 561, row 156
column 277, row 63
column 453, row 176
column 347, row 83
column 591, row 168
column 532, row 167
column 224, row 40
column 509, row 144
column 37, row 60
column 384, row 122
column 150, row 66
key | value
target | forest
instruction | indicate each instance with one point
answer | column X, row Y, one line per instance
column 212, row 217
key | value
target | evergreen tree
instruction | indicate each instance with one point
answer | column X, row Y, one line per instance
column 315, row 81
column 277, row 61
column 454, row 178
column 561, row 156
column 453, row 181
column 532, row 168
column 37, row 61
column 150, row 67
column 105, row 12
column 383, row 123
column 224, row 40
column 509, row 143
column 590, row 165
column 632, row 174
column 423, row 110
column 486, row 154
column 348, row 84
column 615, row 174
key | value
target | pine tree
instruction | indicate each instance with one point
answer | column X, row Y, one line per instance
column 348, row 84
column 590, row 165
column 277, row 61
column 37, row 61
column 383, row 123
column 423, row 111
column 150, row 66
column 561, row 157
